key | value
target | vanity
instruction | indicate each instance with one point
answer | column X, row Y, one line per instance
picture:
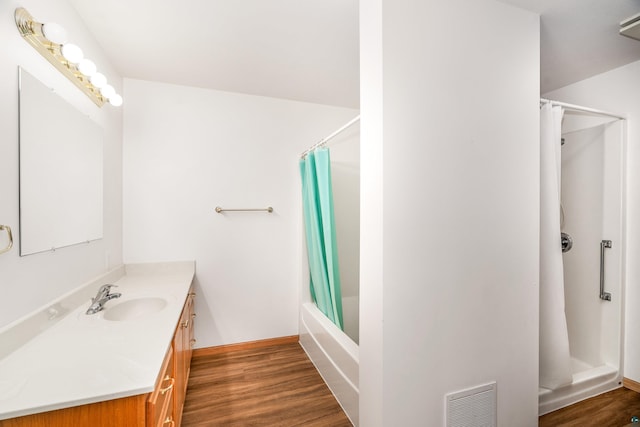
column 127, row 365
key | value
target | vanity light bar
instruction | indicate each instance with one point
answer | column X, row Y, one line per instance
column 67, row 58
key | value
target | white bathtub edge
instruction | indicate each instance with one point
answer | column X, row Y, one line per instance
column 339, row 382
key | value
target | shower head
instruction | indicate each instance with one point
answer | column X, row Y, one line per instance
column 630, row 27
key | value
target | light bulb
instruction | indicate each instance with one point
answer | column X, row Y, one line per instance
column 98, row 80
column 54, row 33
column 115, row 100
column 107, row 91
column 87, row 67
column 72, row 53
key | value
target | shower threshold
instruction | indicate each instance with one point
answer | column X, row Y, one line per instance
column 588, row 381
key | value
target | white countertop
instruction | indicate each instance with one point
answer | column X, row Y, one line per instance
column 82, row 359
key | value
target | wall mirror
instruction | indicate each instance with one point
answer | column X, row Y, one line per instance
column 61, row 161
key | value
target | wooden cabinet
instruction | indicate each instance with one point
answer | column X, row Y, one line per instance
column 160, row 408
column 183, row 342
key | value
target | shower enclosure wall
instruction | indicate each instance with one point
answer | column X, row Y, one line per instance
column 345, row 170
column 592, row 214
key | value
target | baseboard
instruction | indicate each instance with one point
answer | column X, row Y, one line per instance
column 208, row 351
column 631, row 384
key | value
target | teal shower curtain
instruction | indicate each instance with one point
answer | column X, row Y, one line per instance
column 317, row 200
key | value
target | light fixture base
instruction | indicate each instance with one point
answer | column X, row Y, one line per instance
column 31, row 30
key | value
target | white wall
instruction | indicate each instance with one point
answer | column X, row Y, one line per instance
column 372, row 174
column 454, row 88
column 188, row 150
column 616, row 91
column 29, row 282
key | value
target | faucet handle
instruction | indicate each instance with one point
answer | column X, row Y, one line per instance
column 103, row 292
column 107, row 288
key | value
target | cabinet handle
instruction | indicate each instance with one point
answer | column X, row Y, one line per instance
column 185, row 325
column 170, row 386
column 192, row 294
column 9, row 235
column 193, row 316
column 192, row 342
column 169, row 421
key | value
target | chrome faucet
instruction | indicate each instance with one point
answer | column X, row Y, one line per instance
column 103, row 295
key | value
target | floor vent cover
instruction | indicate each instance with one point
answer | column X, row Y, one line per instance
column 475, row 407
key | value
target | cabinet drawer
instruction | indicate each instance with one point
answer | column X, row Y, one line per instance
column 160, row 402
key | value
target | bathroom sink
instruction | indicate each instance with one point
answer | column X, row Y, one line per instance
column 134, row 308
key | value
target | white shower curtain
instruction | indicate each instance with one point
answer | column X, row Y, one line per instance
column 555, row 360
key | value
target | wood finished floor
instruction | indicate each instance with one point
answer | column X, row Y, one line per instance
column 611, row 409
column 274, row 386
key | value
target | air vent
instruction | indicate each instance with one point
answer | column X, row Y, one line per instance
column 630, row 27
column 473, row 407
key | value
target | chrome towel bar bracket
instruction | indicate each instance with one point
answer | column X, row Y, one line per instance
column 10, row 244
column 267, row 209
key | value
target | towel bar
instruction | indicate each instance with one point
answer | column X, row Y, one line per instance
column 267, row 209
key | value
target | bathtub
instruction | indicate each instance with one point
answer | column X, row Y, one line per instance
column 334, row 355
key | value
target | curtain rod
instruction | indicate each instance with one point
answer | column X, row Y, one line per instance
column 328, row 138
column 580, row 108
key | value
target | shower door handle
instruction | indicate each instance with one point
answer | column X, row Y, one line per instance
column 606, row 296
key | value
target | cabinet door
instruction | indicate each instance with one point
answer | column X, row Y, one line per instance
column 189, row 340
column 160, row 402
column 182, row 344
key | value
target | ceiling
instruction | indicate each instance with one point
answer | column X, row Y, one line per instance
column 308, row 50
column 579, row 38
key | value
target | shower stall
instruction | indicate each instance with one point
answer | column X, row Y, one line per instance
column 582, row 260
